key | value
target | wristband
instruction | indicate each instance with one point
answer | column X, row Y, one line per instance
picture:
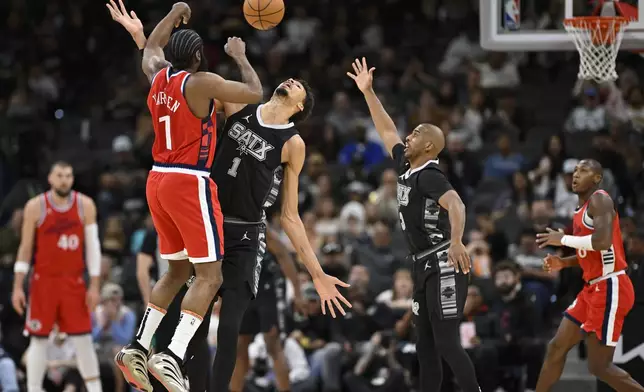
column 21, row 267
column 577, row 242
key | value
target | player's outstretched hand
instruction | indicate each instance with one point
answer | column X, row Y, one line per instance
column 553, row 263
column 235, row 47
column 184, row 13
column 458, row 257
column 550, row 238
column 130, row 21
column 329, row 294
column 363, row 75
column 19, row 301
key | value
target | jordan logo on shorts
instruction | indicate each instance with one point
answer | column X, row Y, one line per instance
column 247, row 117
column 245, row 237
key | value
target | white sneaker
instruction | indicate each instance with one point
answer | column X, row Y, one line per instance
column 132, row 363
column 166, row 369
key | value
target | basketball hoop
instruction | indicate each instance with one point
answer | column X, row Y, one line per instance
column 598, row 39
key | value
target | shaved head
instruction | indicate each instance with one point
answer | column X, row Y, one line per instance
column 425, row 142
column 593, row 165
column 435, row 135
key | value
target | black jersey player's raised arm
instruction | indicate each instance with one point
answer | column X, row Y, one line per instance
column 432, row 217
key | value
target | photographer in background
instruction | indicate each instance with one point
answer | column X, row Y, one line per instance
column 377, row 369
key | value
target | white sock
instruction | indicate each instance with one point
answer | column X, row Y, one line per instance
column 188, row 324
column 87, row 362
column 36, row 364
column 151, row 320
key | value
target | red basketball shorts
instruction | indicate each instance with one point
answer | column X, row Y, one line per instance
column 186, row 214
column 600, row 308
column 57, row 300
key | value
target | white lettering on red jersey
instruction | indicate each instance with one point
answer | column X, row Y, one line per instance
column 60, row 237
column 181, row 139
column 598, row 263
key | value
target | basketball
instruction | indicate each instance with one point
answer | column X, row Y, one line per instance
column 263, row 14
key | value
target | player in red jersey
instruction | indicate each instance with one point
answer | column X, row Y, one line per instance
column 181, row 196
column 600, row 308
column 60, row 225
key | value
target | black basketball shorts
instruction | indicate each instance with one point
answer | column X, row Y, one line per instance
column 438, row 287
column 268, row 310
column 244, row 248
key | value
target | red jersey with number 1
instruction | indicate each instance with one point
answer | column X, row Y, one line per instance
column 181, row 139
column 60, row 237
column 598, row 263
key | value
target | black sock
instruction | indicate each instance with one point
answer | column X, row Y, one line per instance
column 230, row 317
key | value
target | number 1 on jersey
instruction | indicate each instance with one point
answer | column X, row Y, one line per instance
column 233, row 169
column 168, row 135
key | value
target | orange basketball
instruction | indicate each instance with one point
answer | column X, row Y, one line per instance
column 263, row 14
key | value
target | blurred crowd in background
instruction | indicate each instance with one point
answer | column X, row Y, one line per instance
column 515, row 123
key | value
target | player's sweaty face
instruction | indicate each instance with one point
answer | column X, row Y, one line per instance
column 582, row 178
column 61, row 180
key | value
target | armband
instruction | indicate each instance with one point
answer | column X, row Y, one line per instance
column 21, row 267
column 577, row 242
column 92, row 250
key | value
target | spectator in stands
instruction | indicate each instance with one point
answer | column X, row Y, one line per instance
column 261, row 365
column 319, row 336
column 8, row 374
column 507, row 336
column 534, row 279
column 334, row 260
column 384, row 198
column 342, row 114
column 377, row 369
column 544, row 175
column 327, row 217
column 479, row 252
column 62, row 374
column 498, row 72
column 635, row 108
column 565, row 200
column 113, row 326
column 399, row 297
column 486, row 229
column 359, row 149
column 377, row 258
column 505, row 162
column 590, row 116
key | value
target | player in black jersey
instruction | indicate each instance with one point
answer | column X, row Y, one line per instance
column 258, row 151
column 432, row 217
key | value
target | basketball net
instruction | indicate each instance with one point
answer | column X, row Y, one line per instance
column 598, row 39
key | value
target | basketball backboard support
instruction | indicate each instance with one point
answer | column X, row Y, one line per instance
column 495, row 37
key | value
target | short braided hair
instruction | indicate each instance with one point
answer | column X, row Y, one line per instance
column 183, row 46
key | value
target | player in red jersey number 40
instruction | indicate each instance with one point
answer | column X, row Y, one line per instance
column 60, row 225
column 600, row 308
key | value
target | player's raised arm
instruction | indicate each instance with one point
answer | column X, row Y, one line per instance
column 92, row 251
column 130, row 22
column 213, row 86
column 31, row 216
column 385, row 126
column 153, row 57
column 294, row 228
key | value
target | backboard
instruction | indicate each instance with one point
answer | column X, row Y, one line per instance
column 504, row 27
